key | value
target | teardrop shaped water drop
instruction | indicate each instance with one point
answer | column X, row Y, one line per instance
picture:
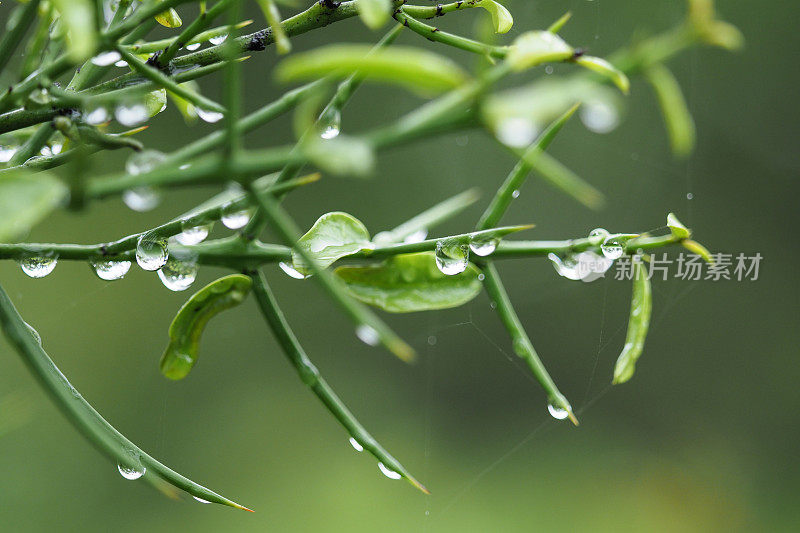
column 192, row 47
column 131, row 472
column 177, row 275
column 201, row 500
column 567, row 267
column 131, row 114
column 208, row 115
column 386, row 471
column 233, row 218
column 356, row 445
column 151, row 252
column 451, row 258
column 598, row 235
column 110, row 270
column 482, row 246
column 557, row 412
column 104, row 59
column 612, row 249
column 219, row 39
column 333, row 125
column 141, row 198
column 291, row 271
column 599, row 116
column 38, row 266
column 367, row 334
column 95, row 116
column 193, row 234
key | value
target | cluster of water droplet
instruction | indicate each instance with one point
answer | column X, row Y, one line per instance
column 588, row 265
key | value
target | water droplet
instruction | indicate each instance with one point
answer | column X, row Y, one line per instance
column 38, row 266
column 121, row 63
column 56, row 147
column 178, row 275
column 367, row 335
column 689, row 196
column 219, row 39
column 192, row 47
column 141, row 198
column 35, row 334
column 612, row 248
column 599, row 116
column 493, row 305
column 193, row 234
column 586, row 266
column 557, row 412
column 451, row 258
column 548, row 69
column 40, row 96
column 98, row 115
column 291, row 271
column 151, row 252
column 417, row 236
column 131, row 472
column 131, row 114
column 46, row 151
column 356, row 445
column 104, row 59
column 233, row 218
column 201, row 500
column 568, row 267
column 515, row 193
column 517, row 132
column 208, row 115
column 333, row 125
column 6, row 153
column 598, row 235
column 110, row 270
column 432, row 340
column 386, row 471
column 482, row 246
column 481, row 277
column 184, row 166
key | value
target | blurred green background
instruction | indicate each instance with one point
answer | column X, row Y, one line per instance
column 704, row 438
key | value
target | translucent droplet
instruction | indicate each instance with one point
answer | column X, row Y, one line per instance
column 40, row 96
column 356, row 445
column 517, row 132
column 208, row 115
column 481, row 277
column 193, row 234
column 599, row 116
column 386, row 471
column 612, row 248
column 557, row 412
column 432, row 340
column 46, row 151
column 35, row 334
column 104, row 59
column 548, row 69
column 598, row 235
column 38, row 266
column 151, row 252
column 568, row 267
column 98, row 115
column 6, row 153
column 141, row 198
column 121, row 63
column 515, row 193
column 367, row 335
column 291, row 271
column 482, row 246
column 689, row 196
column 56, row 147
column 178, row 275
column 110, row 270
column 451, row 258
column 192, row 47
column 131, row 114
column 417, row 236
column 233, row 218
column 219, row 39
column 586, row 266
column 131, row 472
column 201, row 500
column 333, row 125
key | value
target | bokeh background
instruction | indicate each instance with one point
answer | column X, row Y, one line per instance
column 704, row 438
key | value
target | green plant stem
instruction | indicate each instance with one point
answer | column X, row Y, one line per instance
column 311, row 377
column 429, row 12
column 32, row 146
column 22, row 16
column 150, row 47
column 456, row 41
column 199, row 24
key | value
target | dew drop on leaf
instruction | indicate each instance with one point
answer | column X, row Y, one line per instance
column 97, row 115
column 612, row 249
column 515, row 193
column 356, row 445
column 193, row 234
column 131, row 114
column 483, row 246
column 38, row 266
column 557, row 412
column 367, row 335
column 121, row 63
column 332, row 126
column 178, row 275
column 151, row 252
column 386, row 471
column 131, row 472
column 451, row 258
column 290, row 271
column 40, row 96
column 192, row 47
column 110, row 270
column 233, row 218
column 219, row 39
column 141, row 198
column 105, row 59
column 208, row 115
column 201, row 500
column 598, row 235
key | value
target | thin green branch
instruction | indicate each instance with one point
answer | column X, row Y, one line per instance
column 191, row 31
column 456, row 41
column 22, row 16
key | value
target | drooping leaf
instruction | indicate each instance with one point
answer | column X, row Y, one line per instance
column 501, row 17
column 638, row 324
column 333, row 236
column 606, row 69
column 169, row 18
column 537, row 47
column 678, row 230
column 677, row 118
column 697, row 248
column 374, row 13
column 410, row 282
column 25, row 199
column 414, row 68
column 78, row 19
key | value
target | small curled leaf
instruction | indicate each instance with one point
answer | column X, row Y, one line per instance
column 638, row 324
column 537, row 47
column 169, row 18
column 333, row 236
column 603, row 67
column 678, row 230
column 677, row 118
column 187, row 327
column 501, row 17
column 697, row 248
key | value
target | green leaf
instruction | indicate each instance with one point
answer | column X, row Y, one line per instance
column 169, row 18
column 678, row 230
column 556, row 26
column 537, row 47
column 501, row 17
column 638, row 324
column 374, row 13
column 78, row 19
column 604, row 68
column 343, row 155
column 155, row 102
column 333, row 236
column 410, row 282
column 677, row 118
column 188, row 325
column 413, row 68
column 25, row 199
column 697, row 248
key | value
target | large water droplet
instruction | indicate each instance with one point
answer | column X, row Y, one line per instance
column 40, row 96
column 451, row 258
column 517, row 132
column 586, row 266
column 208, row 115
column 141, row 198
column 367, row 335
column 483, row 246
column 599, row 116
column 557, row 412
column 567, row 267
column 144, row 161
column 612, row 249
column 386, row 471
column 131, row 472
column 97, row 115
column 193, row 234
column 598, row 235
column 131, row 114
column 333, row 125
column 6, row 153
column 219, row 39
column 233, row 218
column 193, row 46
column 178, row 275
column 356, row 445
column 38, row 266
column 121, row 63
column 201, row 500
column 291, row 271
column 104, row 59
column 151, row 252
column 110, row 270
